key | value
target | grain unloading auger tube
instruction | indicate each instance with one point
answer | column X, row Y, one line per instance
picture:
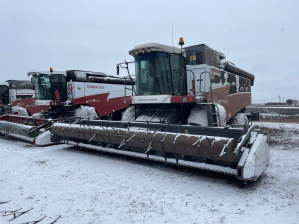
column 247, row 157
column 26, row 128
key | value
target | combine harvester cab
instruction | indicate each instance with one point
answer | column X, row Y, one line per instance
column 4, row 98
column 63, row 94
column 188, row 108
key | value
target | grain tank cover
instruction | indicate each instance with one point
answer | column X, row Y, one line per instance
column 203, row 54
column 82, row 76
column 153, row 47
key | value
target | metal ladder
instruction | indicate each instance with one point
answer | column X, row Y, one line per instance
column 213, row 113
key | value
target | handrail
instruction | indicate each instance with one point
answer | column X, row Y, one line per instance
column 210, row 84
column 127, row 68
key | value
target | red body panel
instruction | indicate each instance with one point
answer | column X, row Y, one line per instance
column 232, row 103
column 24, row 120
column 29, row 105
column 101, row 103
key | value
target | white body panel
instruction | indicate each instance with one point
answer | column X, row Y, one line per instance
column 82, row 89
column 43, row 102
column 75, row 90
column 15, row 94
column 197, row 70
column 25, row 92
column 151, row 99
column 256, row 160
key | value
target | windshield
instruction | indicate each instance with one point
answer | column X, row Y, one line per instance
column 46, row 85
column 4, row 95
column 158, row 73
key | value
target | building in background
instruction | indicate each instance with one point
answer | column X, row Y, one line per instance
column 291, row 102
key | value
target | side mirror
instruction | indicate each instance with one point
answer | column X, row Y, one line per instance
column 117, row 69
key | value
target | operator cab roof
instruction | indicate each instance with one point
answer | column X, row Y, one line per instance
column 4, row 84
column 153, row 47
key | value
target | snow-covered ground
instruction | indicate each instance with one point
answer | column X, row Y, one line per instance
column 86, row 187
column 277, row 125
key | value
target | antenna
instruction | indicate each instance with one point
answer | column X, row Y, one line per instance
column 125, row 56
column 172, row 33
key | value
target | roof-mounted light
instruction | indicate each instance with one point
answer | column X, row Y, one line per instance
column 51, row 69
column 142, row 51
column 148, row 50
column 181, row 41
column 136, row 52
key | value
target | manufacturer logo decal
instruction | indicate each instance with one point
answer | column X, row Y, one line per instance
column 95, row 87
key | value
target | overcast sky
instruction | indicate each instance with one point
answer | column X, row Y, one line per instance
column 261, row 37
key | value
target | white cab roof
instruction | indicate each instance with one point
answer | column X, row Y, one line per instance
column 157, row 47
column 4, row 84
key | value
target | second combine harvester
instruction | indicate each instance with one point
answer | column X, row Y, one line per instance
column 188, row 106
column 63, row 94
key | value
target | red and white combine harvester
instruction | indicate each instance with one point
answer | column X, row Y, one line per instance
column 13, row 91
column 188, row 108
column 79, row 93
column 64, row 94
